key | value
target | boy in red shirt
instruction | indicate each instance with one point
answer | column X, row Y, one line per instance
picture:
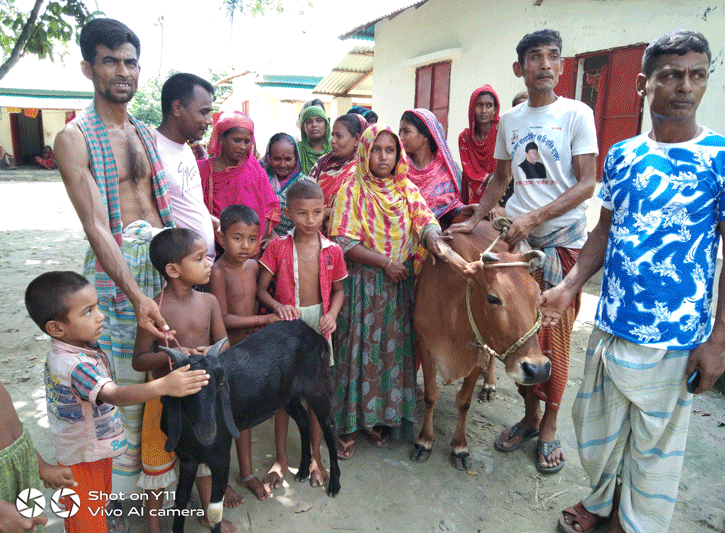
column 309, row 269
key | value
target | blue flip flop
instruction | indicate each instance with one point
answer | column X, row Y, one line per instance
column 515, row 431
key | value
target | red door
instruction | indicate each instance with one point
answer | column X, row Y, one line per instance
column 621, row 117
column 432, row 88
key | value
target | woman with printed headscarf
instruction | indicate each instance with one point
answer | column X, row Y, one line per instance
column 315, row 135
column 431, row 166
column 231, row 175
column 378, row 218
column 281, row 162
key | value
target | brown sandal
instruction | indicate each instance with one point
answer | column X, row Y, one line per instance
column 345, row 450
column 587, row 521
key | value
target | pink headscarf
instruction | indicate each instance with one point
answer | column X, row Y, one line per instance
column 227, row 121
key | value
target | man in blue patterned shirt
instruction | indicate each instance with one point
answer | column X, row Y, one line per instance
column 663, row 211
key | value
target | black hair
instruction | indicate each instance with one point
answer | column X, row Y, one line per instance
column 371, row 116
column 237, row 213
column 493, row 97
column 110, row 33
column 537, row 38
column 304, row 190
column 415, row 120
column 181, row 87
column 519, row 98
column 225, row 133
column 677, row 42
column 283, row 137
column 532, row 146
column 171, row 246
column 351, row 124
column 46, row 297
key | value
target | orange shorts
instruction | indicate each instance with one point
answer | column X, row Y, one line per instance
column 91, row 477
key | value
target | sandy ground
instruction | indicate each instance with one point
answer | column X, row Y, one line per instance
column 382, row 490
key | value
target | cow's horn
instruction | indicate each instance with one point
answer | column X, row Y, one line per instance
column 214, row 350
column 489, row 257
column 179, row 358
column 534, row 257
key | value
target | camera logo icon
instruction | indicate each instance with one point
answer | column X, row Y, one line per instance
column 68, row 507
column 30, row 503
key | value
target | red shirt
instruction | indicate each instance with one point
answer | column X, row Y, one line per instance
column 280, row 258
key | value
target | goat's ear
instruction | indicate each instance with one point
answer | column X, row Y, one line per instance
column 535, row 258
column 171, row 421
column 178, row 358
column 217, row 348
column 226, row 406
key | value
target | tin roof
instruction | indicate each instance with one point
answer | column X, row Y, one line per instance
column 44, row 98
column 367, row 31
column 352, row 76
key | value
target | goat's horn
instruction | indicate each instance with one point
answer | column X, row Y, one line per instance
column 489, row 257
column 214, row 350
column 176, row 356
column 534, row 257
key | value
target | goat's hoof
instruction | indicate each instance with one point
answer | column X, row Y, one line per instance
column 303, row 473
column 333, row 487
column 420, row 453
column 461, row 461
column 487, row 394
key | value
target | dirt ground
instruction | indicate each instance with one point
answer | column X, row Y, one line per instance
column 382, row 490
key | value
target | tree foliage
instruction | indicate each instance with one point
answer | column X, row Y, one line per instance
column 43, row 32
column 47, row 28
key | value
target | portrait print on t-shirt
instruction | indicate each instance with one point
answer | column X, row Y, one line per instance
column 532, row 167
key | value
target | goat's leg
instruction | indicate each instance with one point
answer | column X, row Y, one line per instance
column 422, row 449
column 299, row 415
column 187, row 474
column 321, row 407
column 459, row 446
column 219, row 479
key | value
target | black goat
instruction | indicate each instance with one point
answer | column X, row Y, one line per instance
column 248, row 383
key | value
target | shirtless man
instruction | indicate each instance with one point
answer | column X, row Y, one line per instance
column 114, row 178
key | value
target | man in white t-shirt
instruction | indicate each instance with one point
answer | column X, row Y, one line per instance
column 186, row 106
column 548, row 209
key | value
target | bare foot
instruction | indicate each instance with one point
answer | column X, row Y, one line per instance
column 614, row 525
column 231, row 498
column 260, row 490
column 318, row 475
column 227, row 526
column 275, row 476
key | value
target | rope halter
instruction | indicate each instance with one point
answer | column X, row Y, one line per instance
column 502, row 224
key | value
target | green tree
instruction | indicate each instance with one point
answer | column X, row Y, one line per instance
column 43, row 32
column 46, row 30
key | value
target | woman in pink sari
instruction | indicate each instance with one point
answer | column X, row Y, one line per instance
column 432, row 169
column 231, row 176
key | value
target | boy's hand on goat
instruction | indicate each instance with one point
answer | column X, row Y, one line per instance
column 328, row 323
column 184, row 382
column 287, row 312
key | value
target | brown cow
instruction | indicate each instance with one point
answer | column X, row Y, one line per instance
column 503, row 304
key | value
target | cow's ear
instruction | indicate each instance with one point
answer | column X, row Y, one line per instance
column 471, row 270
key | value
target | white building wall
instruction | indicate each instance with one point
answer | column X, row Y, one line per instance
column 6, row 139
column 53, row 122
column 487, row 33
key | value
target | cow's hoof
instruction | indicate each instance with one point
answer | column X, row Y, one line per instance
column 419, row 453
column 303, row 473
column 487, row 393
column 461, row 461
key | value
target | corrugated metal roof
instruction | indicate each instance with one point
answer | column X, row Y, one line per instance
column 367, row 31
column 352, row 76
column 44, row 99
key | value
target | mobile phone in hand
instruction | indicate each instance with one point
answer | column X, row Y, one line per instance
column 693, row 381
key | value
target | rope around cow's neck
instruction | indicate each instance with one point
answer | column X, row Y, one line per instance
column 502, row 224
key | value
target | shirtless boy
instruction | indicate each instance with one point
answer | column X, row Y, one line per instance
column 309, row 270
column 114, row 178
column 16, row 448
column 234, row 283
column 180, row 255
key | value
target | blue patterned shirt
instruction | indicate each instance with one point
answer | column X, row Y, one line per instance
column 666, row 202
